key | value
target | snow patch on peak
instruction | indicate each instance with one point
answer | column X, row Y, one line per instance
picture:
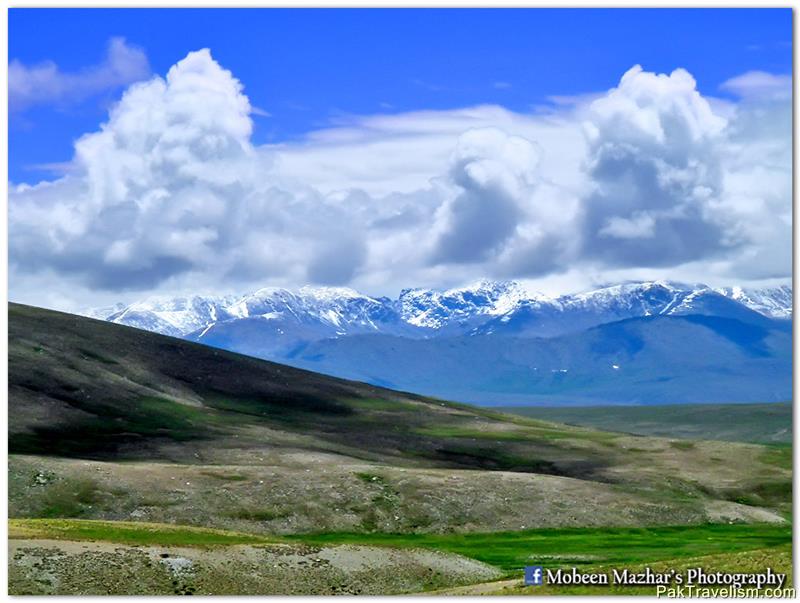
column 102, row 313
column 432, row 309
column 775, row 302
column 331, row 294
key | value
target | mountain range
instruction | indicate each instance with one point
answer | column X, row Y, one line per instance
column 498, row 343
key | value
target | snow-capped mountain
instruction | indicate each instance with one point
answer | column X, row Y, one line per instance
column 335, row 311
column 342, row 310
column 272, row 322
column 441, row 309
column 775, row 302
column 103, row 312
column 572, row 313
column 486, row 307
column 176, row 316
column 493, row 341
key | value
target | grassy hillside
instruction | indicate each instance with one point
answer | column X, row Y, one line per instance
column 89, row 389
column 760, row 423
column 139, row 430
column 86, row 389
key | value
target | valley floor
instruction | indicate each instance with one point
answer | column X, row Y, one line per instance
column 779, row 559
column 758, row 423
column 102, row 558
column 284, row 520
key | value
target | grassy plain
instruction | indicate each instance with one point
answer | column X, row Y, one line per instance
column 758, row 423
column 141, row 463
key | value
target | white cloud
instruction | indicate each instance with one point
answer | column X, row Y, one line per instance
column 383, row 154
column 654, row 163
column 760, row 84
column 638, row 226
column 646, row 180
column 45, row 83
column 757, row 181
column 494, row 174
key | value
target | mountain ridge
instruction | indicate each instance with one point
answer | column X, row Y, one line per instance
column 429, row 312
column 497, row 343
column 643, row 360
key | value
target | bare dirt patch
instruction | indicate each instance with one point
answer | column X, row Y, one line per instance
column 46, row 567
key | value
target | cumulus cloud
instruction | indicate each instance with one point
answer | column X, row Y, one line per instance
column 647, row 179
column 43, row 83
column 171, row 190
column 502, row 215
column 654, row 149
column 156, row 181
column 494, row 173
column 385, row 154
column 757, row 176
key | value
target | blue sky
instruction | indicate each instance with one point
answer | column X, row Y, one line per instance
column 306, row 67
column 206, row 151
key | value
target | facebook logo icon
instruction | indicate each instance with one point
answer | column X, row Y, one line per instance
column 533, row 575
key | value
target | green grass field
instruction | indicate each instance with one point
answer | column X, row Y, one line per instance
column 596, row 549
column 778, row 558
column 757, row 423
column 511, row 551
column 127, row 532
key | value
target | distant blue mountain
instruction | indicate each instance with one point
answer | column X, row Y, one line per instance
column 648, row 360
column 496, row 343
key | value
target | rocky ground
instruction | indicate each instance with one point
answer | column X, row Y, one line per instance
column 42, row 567
column 306, row 492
